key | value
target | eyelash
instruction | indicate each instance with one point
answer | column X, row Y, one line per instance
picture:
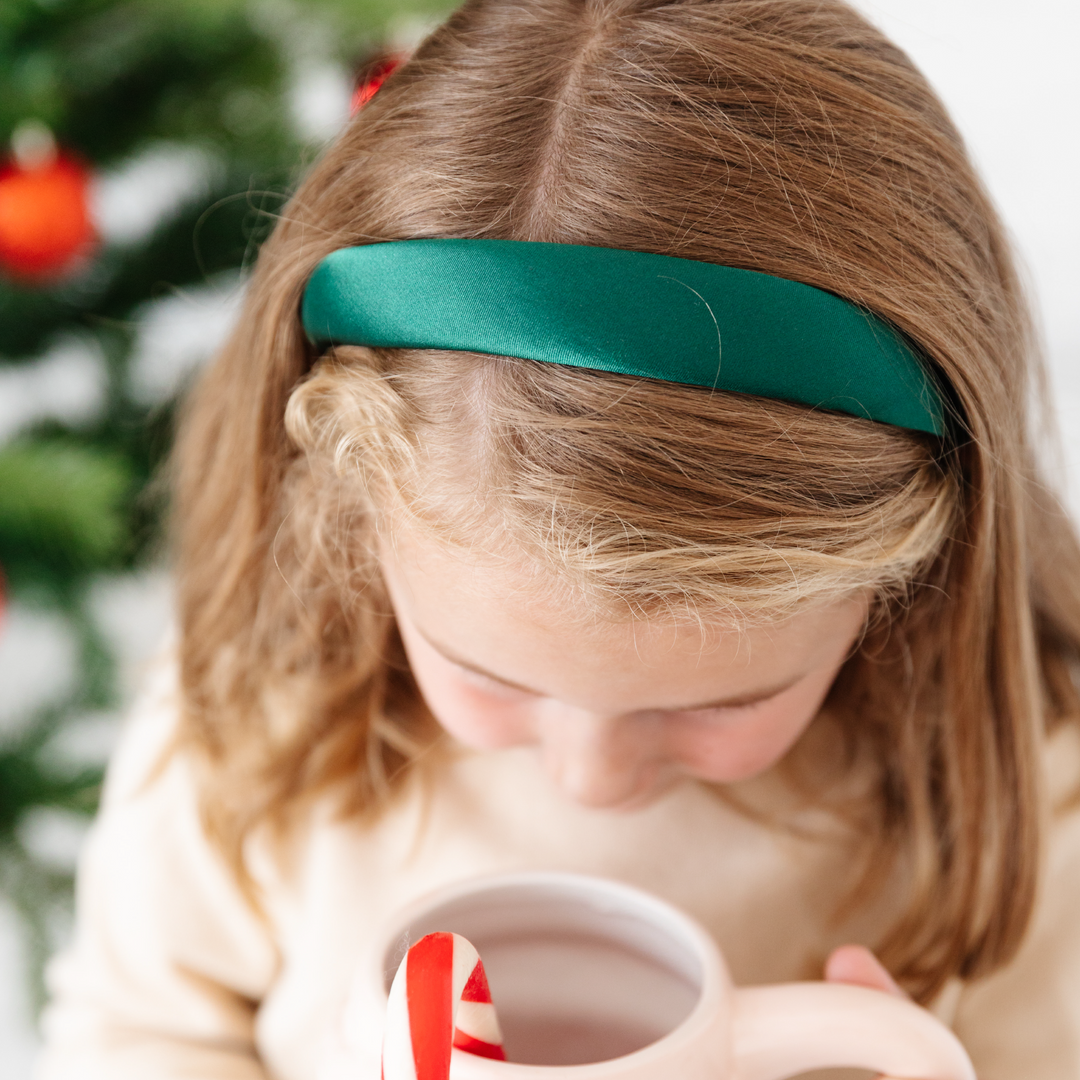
column 485, row 682
column 722, row 711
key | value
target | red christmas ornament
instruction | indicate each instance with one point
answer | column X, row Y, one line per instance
column 45, row 224
column 375, row 74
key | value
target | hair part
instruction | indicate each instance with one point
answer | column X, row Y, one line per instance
column 784, row 136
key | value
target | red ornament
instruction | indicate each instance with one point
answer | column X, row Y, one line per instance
column 45, row 221
column 375, row 74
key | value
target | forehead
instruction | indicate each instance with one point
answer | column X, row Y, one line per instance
column 513, row 618
column 498, row 575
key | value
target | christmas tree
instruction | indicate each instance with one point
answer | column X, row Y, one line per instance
column 149, row 146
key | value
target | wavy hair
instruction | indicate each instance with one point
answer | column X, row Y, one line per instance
column 785, row 136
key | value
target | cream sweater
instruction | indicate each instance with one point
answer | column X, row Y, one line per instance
column 172, row 976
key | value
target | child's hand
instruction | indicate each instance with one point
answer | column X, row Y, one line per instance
column 858, row 966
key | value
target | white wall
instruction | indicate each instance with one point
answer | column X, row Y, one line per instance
column 1009, row 73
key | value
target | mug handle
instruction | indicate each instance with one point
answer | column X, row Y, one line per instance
column 781, row 1031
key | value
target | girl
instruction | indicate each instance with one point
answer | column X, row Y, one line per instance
column 697, row 541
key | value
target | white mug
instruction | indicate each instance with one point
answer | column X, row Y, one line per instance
column 595, row 980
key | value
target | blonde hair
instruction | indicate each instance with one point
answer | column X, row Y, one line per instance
column 786, row 136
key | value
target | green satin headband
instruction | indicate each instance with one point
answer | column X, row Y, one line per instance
column 624, row 311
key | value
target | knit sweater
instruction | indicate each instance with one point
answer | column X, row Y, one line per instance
column 174, row 975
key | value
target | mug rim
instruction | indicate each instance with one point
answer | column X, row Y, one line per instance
column 710, row 1016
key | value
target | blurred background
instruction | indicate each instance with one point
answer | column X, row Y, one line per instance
column 145, row 147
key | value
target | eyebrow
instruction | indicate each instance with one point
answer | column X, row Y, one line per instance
column 738, row 701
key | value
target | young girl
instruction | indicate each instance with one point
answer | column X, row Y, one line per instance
column 698, row 542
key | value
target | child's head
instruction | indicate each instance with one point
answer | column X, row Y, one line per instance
column 619, row 708
column 550, row 524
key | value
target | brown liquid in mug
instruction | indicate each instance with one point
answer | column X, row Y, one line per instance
column 572, row 1001
column 562, row 1040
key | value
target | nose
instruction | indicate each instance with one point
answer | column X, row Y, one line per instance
column 599, row 761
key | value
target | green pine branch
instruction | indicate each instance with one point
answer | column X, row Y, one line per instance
column 111, row 77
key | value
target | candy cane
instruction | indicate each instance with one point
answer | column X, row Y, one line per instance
column 439, row 999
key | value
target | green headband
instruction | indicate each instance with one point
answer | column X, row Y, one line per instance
column 624, row 311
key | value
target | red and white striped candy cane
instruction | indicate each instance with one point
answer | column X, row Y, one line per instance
column 439, row 999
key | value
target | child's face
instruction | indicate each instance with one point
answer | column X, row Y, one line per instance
column 619, row 710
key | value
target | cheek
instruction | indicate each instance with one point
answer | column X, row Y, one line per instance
column 480, row 720
column 726, row 751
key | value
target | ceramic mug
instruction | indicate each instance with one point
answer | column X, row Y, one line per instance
column 596, row 980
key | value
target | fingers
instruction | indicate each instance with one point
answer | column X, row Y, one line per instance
column 858, row 966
